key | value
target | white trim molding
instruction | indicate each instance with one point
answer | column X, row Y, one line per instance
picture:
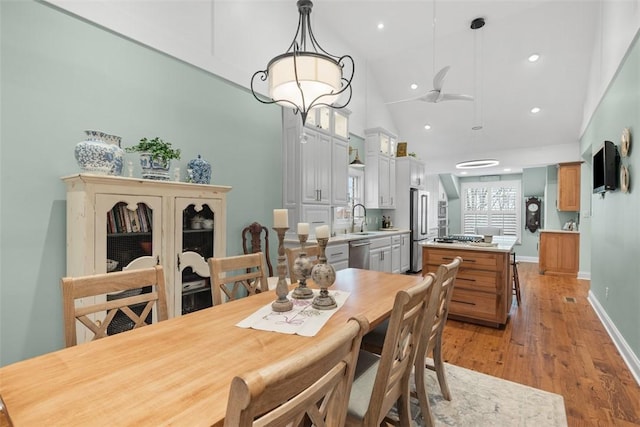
column 629, row 357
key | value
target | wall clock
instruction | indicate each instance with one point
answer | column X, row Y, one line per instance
column 533, row 208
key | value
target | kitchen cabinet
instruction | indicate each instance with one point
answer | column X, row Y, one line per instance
column 482, row 293
column 569, row 187
column 405, row 256
column 559, row 253
column 338, row 255
column 380, row 257
column 380, row 173
column 410, row 173
column 396, row 256
column 116, row 223
column 316, row 171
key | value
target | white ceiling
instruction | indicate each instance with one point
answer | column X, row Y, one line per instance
column 489, row 63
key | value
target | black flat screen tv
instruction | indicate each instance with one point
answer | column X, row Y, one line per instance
column 606, row 162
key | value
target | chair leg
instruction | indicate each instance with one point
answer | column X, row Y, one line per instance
column 439, row 368
column 516, row 283
column 421, row 391
column 404, row 408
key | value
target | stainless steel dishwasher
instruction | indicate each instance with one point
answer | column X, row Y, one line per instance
column 359, row 253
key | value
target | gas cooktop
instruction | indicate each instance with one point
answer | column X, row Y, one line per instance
column 458, row 238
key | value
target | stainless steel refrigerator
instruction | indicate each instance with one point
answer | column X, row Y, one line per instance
column 419, row 208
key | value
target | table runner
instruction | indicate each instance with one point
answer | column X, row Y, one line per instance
column 302, row 320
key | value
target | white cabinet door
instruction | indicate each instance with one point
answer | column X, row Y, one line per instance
column 375, row 260
column 316, row 215
column 405, row 248
column 392, row 184
column 383, row 181
column 395, row 259
column 386, row 260
column 316, row 168
column 340, row 172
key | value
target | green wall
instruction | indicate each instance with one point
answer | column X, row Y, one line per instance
column 615, row 233
column 61, row 75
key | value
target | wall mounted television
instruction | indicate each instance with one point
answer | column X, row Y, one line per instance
column 605, row 167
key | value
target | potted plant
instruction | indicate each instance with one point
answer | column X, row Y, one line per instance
column 155, row 157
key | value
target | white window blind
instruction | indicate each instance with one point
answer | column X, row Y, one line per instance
column 492, row 204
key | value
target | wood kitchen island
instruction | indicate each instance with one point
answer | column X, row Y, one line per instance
column 483, row 289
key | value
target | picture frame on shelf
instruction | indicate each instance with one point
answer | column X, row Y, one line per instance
column 401, row 150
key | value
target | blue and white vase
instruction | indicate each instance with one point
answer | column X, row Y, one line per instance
column 199, row 171
column 156, row 169
column 100, row 153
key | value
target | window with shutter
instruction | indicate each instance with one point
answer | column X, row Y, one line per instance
column 492, row 204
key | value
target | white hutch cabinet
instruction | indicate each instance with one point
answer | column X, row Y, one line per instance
column 315, row 174
column 116, row 223
column 380, row 173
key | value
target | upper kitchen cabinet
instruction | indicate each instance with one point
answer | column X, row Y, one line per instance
column 380, row 173
column 569, row 187
column 410, row 173
column 316, row 162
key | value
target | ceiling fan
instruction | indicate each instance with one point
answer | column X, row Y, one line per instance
column 436, row 95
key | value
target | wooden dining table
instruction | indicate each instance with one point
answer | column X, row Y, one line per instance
column 175, row 372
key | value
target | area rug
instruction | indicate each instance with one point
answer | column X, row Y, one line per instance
column 480, row 400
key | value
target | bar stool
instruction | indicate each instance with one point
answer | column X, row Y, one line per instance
column 516, row 279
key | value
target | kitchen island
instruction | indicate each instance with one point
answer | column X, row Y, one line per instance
column 483, row 289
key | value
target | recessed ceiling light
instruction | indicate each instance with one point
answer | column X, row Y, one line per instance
column 534, row 57
column 507, row 169
column 414, row 86
column 380, row 25
column 477, row 164
column 535, row 110
column 427, row 127
column 463, row 173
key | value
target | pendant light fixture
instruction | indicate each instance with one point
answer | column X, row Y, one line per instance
column 356, row 163
column 306, row 75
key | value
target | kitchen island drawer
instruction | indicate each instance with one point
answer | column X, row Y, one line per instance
column 470, row 259
column 472, row 304
column 480, row 280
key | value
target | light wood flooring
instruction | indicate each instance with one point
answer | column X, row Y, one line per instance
column 553, row 345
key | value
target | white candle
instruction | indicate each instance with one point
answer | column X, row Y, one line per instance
column 281, row 218
column 322, row 232
column 303, row 228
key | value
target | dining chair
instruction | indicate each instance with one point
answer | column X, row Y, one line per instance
column 312, row 253
column 255, row 231
column 383, row 380
column 231, row 275
column 5, row 419
column 308, row 388
column 128, row 305
column 431, row 339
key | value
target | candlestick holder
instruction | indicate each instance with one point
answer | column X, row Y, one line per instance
column 282, row 289
column 302, row 267
column 324, row 275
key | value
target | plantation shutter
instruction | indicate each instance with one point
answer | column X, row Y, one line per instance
column 492, row 204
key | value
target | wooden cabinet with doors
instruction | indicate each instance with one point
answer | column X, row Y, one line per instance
column 559, row 253
column 569, row 187
column 116, row 223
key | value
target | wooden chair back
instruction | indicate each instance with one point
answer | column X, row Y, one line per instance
column 431, row 341
column 292, row 253
column 5, row 419
column 255, row 231
column 310, row 387
column 394, row 365
column 125, row 296
column 232, row 274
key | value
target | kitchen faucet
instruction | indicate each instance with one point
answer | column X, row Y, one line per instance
column 353, row 218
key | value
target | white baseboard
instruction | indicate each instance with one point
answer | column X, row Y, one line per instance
column 527, row 258
column 584, row 275
column 629, row 357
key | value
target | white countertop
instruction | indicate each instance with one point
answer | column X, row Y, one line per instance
column 344, row 238
column 499, row 244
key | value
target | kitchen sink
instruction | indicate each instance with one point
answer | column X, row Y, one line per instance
column 362, row 233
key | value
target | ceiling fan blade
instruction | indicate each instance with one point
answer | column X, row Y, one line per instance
column 438, row 79
column 405, row 100
column 455, row 97
column 432, row 96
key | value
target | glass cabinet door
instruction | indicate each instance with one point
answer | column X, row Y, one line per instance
column 127, row 237
column 195, row 243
